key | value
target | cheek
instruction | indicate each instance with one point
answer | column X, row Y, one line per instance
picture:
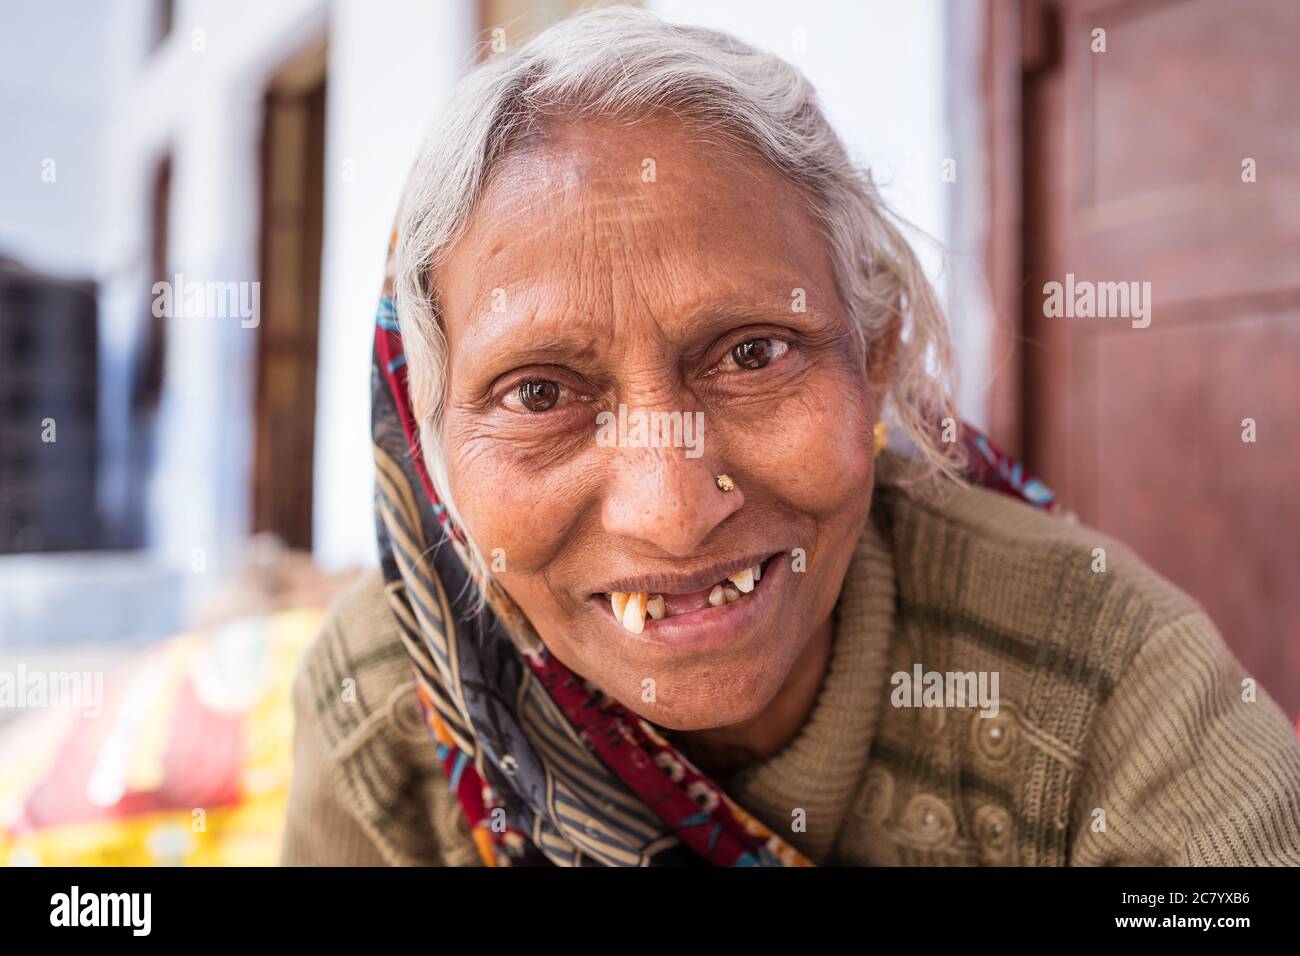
column 506, row 504
column 816, row 448
column 526, row 512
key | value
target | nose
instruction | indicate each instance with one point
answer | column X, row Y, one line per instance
column 661, row 498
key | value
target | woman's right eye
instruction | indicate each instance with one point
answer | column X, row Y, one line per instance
column 538, row 395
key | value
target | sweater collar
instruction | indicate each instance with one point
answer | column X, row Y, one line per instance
column 819, row 770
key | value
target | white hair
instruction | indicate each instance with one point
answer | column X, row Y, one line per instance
column 625, row 62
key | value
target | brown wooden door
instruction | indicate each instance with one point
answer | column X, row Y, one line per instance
column 1137, row 167
column 293, row 191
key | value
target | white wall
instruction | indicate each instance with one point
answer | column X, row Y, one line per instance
column 199, row 96
column 392, row 65
column 80, row 84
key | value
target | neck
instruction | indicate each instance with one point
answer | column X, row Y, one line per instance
column 723, row 750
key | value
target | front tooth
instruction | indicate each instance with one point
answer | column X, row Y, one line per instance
column 744, row 580
column 618, row 600
column 730, row 595
column 716, row 597
column 758, row 572
column 657, row 607
column 634, row 613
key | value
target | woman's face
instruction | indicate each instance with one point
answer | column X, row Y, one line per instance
column 646, row 267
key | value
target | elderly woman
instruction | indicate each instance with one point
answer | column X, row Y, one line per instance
column 652, row 594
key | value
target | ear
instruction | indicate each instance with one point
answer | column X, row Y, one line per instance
column 882, row 354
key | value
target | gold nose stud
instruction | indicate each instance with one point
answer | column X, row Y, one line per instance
column 725, row 483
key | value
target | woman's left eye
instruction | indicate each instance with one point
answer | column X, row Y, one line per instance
column 536, row 396
column 753, row 354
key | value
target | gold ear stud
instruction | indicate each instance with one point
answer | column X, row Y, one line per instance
column 725, row 483
column 879, row 438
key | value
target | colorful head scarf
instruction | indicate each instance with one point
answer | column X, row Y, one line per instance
column 547, row 768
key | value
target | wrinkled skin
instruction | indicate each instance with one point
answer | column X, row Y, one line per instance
column 621, row 290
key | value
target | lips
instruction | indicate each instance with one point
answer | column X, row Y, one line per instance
column 631, row 608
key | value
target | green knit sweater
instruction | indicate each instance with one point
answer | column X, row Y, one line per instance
column 1125, row 732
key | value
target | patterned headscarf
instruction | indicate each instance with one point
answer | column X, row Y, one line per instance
column 547, row 768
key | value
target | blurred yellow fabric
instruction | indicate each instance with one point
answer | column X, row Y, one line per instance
column 187, row 762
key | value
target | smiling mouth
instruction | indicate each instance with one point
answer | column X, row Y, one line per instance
column 632, row 608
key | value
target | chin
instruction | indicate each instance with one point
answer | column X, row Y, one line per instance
column 714, row 694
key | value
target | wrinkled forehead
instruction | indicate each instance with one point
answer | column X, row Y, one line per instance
column 600, row 215
column 624, row 167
